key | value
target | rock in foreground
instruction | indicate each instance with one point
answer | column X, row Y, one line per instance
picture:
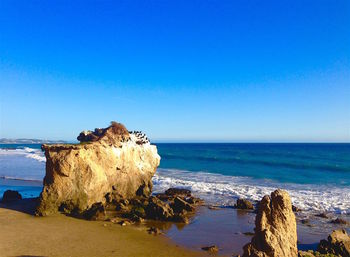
column 275, row 228
column 110, row 163
column 338, row 243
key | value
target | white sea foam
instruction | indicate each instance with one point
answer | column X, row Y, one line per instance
column 27, row 152
column 220, row 189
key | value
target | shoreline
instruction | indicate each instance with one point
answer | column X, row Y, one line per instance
column 230, row 229
column 23, row 234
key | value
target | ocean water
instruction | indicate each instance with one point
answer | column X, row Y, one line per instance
column 317, row 176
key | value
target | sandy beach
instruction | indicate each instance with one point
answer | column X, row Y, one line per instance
column 23, row 234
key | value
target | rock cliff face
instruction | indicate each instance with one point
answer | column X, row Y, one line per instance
column 275, row 228
column 108, row 164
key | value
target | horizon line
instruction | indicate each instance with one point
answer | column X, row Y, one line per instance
column 189, row 141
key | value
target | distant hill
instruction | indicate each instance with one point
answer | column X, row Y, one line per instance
column 29, row 141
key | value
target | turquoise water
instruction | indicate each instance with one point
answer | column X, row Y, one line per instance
column 294, row 163
column 316, row 175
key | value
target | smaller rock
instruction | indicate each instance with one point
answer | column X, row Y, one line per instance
column 339, row 221
column 244, row 204
column 337, row 243
column 11, row 195
column 212, row 248
column 178, row 192
column 248, row 233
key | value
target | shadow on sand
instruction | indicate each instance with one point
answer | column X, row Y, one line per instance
column 27, row 205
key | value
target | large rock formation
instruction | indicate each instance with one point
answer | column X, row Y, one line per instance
column 109, row 163
column 275, row 228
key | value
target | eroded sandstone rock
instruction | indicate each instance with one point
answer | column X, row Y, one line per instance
column 109, row 164
column 275, row 228
column 338, row 243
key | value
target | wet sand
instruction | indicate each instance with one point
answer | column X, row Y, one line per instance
column 230, row 229
column 23, row 234
column 223, row 227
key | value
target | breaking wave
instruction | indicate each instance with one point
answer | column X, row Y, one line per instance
column 224, row 190
column 27, row 152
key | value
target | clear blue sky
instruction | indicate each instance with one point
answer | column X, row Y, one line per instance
column 178, row 70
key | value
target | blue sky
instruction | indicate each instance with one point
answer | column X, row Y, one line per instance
column 242, row 71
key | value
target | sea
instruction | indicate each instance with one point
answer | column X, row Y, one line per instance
column 317, row 176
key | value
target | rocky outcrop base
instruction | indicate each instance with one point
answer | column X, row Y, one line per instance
column 162, row 207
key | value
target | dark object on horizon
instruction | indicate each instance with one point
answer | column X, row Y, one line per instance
column 244, row 204
column 11, row 195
